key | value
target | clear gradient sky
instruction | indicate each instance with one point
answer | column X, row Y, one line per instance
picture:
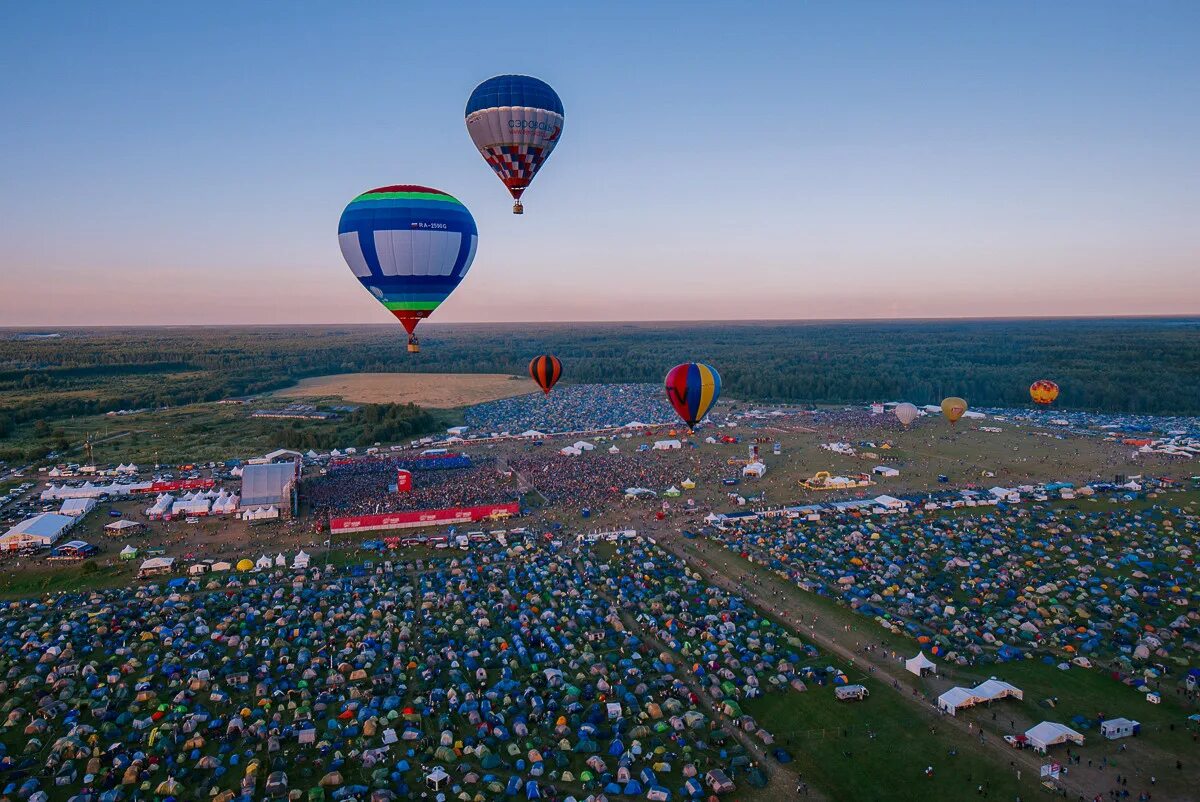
column 186, row 162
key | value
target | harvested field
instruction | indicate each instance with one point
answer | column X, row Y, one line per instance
column 433, row 390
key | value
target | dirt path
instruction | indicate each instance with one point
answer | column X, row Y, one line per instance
column 786, row 605
column 790, row 605
column 781, row 781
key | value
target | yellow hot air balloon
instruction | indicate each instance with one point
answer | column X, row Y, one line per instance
column 953, row 408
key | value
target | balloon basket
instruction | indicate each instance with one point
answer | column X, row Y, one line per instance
column 518, row 208
column 413, row 348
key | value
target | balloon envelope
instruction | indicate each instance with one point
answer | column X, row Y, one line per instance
column 545, row 370
column 953, row 408
column 906, row 413
column 515, row 121
column 692, row 389
column 409, row 246
column 1043, row 391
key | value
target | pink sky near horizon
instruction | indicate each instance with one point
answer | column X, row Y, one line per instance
column 161, row 166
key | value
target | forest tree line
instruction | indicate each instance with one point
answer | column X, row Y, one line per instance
column 1149, row 366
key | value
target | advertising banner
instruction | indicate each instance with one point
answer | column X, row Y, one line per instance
column 417, row 518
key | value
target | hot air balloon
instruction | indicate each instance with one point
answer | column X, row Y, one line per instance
column 546, row 370
column 693, row 388
column 410, row 246
column 953, row 408
column 906, row 413
column 1043, row 391
column 515, row 121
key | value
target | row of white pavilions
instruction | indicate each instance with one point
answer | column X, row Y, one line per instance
column 1040, row 736
column 166, row 565
column 206, row 502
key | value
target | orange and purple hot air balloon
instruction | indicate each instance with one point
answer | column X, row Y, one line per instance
column 692, row 389
column 545, row 370
column 1043, row 391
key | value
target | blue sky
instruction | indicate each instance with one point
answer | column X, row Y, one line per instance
column 187, row 162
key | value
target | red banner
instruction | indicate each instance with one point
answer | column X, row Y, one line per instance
column 403, row 481
column 409, row 520
column 177, row 484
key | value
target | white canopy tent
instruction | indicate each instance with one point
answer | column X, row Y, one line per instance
column 957, row 698
column 1049, row 733
column 755, row 469
column 920, row 664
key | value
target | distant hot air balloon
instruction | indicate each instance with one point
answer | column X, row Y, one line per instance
column 693, row 388
column 953, row 408
column 1043, row 391
column 409, row 246
column 515, row 121
column 906, row 413
column 546, row 370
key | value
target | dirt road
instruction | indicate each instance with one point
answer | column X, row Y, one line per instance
column 785, row 604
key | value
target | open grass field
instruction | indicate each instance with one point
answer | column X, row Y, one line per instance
column 433, row 390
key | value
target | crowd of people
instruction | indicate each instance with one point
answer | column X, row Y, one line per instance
column 368, row 487
column 597, row 476
column 573, row 408
column 501, row 666
column 1110, row 577
column 573, row 482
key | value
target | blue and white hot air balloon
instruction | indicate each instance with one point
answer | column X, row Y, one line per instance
column 409, row 246
column 515, row 121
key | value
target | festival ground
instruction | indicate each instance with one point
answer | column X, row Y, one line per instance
column 841, row 750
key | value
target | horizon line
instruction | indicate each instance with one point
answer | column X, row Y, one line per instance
column 428, row 324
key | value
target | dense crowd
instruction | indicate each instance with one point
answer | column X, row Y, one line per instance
column 502, row 667
column 596, row 476
column 368, row 486
column 1102, row 578
column 574, row 408
column 572, row 481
